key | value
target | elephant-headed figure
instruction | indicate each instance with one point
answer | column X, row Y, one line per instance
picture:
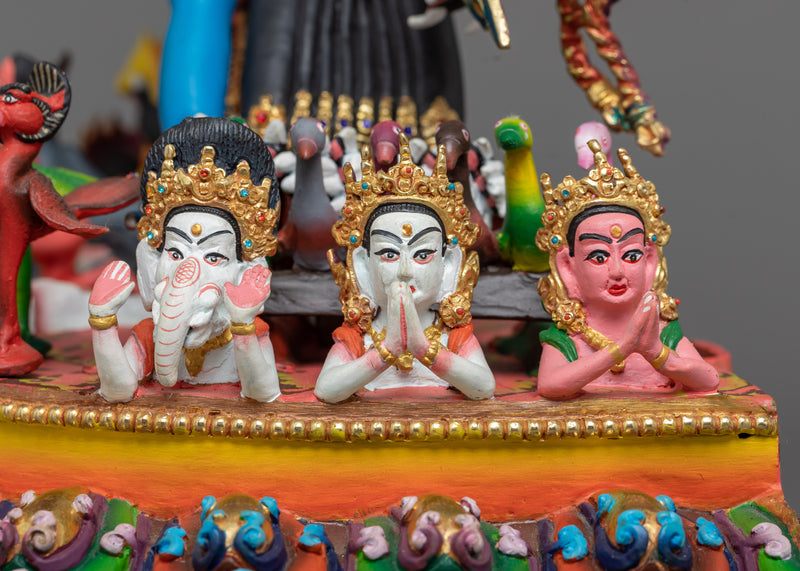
column 405, row 285
column 210, row 204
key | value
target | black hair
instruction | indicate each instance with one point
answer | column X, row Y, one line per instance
column 591, row 211
column 402, row 207
column 232, row 142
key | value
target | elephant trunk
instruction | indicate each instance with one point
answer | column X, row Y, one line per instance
column 173, row 320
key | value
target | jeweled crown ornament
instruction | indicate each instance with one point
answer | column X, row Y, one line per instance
column 603, row 185
column 206, row 184
column 405, row 182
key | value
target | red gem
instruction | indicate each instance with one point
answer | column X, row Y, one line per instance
column 148, row 209
column 677, row 302
column 460, row 310
column 408, row 170
column 462, row 212
column 567, row 316
column 348, row 210
column 261, row 217
column 352, row 314
column 550, row 215
column 204, row 173
column 261, row 116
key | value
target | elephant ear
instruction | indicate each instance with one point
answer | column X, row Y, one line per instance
column 453, row 256
column 146, row 265
column 51, row 94
column 361, row 272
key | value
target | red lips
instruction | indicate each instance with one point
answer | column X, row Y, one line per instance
column 617, row 290
column 413, row 289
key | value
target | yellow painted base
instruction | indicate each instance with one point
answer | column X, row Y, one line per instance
column 168, row 475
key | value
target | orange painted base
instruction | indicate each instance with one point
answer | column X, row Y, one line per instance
column 168, row 475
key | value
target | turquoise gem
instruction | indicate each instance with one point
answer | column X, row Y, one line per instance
column 248, row 243
column 554, row 239
column 451, row 186
column 150, row 235
column 161, row 189
column 455, row 241
column 243, row 193
column 353, row 239
column 365, row 185
column 654, row 238
column 565, row 193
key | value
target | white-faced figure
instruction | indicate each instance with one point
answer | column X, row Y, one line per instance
column 406, row 289
column 201, row 268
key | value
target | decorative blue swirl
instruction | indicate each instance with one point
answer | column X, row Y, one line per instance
column 629, row 526
column 275, row 555
column 251, row 531
column 573, row 544
column 667, row 502
column 210, row 547
column 207, row 503
column 604, row 503
column 707, row 533
column 171, row 541
column 272, row 506
column 672, row 545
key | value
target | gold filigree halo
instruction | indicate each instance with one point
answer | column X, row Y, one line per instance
column 405, row 182
column 205, row 184
column 603, row 185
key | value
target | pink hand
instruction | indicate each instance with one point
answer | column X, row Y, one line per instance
column 112, row 284
column 253, row 289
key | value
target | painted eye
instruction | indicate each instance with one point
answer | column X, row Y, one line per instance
column 175, row 254
column 524, row 126
column 424, row 256
column 632, row 256
column 214, row 258
column 388, row 254
column 605, row 141
column 500, row 122
column 8, row 98
column 397, row 130
column 598, row 257
column 465, row 133
column 320, row 126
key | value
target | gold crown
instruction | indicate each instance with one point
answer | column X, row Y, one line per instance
column 603, row 185
column 404, row 182
column 206, row 184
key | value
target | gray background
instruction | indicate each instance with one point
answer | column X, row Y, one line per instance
column 722, row 76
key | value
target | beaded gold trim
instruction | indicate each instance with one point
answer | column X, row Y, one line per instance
column 285, row 427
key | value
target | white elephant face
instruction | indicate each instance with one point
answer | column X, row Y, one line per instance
column 211, row 241
column 184, row 284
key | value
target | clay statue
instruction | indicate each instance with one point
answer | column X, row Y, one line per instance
column 31, row 113
column 524, row 206
column 206, row 229
column 407, row 236
column 307, row 232
column 616, row 326
column 455, row 138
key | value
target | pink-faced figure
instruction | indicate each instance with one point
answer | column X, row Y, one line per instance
column 617, row 328
column 592, row 130
column 201, row 268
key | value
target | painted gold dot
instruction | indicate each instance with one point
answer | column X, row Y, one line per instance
column 616, row 231
column 197, row 229
column 407, row 230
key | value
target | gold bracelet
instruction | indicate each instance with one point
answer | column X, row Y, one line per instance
column 102, row 323
column 616, row 354
column 384, row 353
column 243, row 328
column 663, row 355
column 431, row 354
